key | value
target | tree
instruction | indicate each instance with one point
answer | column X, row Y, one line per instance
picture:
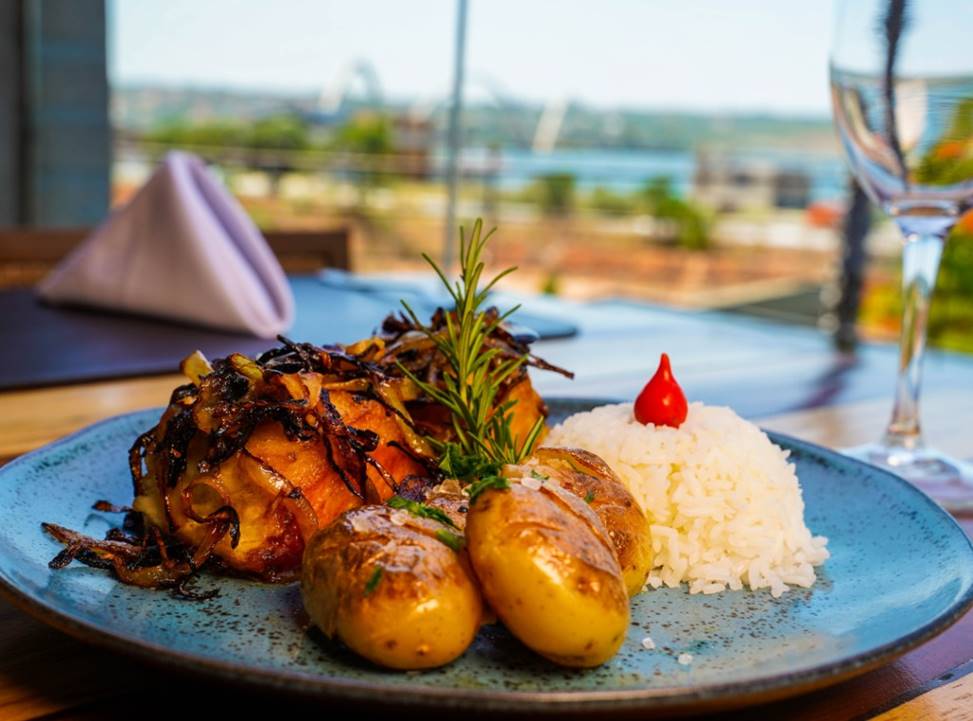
column 689, row 222
column 367, row 137
column 608, row 202
column 287, row 134
column 555, row 193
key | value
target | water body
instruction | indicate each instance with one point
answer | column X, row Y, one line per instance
column 627, row 170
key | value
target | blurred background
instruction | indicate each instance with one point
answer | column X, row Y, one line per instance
column 681, row 153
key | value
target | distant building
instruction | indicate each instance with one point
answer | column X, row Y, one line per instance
column 412, row 137
column 729, row 185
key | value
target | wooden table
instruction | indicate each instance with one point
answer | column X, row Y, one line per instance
column 788, row 379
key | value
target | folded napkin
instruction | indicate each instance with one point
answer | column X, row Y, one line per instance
column 182, row 249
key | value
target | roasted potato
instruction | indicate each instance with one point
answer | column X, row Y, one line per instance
column 589, row 477
column 383, row 582
column 547, row 568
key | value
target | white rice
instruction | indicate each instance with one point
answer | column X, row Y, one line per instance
column 723, row 504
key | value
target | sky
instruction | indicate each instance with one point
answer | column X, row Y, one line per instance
column 697, row 55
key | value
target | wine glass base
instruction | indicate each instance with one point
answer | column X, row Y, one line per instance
column 946, row 479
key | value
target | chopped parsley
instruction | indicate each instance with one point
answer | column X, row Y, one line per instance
column 372, row 582
column 539, row 476
column 487, row 482
column 589, row 497
column 453, row 540
column 421, row 510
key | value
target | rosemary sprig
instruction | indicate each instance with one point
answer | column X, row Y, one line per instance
column 475, row 372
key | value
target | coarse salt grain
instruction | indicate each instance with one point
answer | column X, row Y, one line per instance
column 647, row 643
column 531, row 482
column 398, row 518
column 685, row 659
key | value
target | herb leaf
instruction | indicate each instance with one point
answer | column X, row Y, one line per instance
column 453, row 540
column 539, row 476
column 420, row 509
column 589, row 497
column 372, row 582
column 475, row 372
column 457, row 464
column 477, row 487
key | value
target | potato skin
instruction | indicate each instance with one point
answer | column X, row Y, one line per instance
column 589, row 477
column 421, row 610
column 547, row 569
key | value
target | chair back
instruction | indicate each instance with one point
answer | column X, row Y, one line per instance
column 27, row 254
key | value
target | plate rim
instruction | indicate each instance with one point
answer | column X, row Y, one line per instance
column 725, row 695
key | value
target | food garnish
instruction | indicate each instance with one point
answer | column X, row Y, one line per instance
column 662, row 402
column 253, row 456
column 489, row 481
column 372, row 583
column 475, row 371
column 420, row 509
column 361, row 466
column 453, row 540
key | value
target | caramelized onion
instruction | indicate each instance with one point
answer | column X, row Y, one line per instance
column 210, row 420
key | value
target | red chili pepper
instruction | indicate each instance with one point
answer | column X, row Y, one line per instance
column 662, row 401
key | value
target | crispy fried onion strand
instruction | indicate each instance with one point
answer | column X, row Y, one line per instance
column 289, row 385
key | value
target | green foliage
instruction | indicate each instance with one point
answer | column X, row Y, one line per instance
column 551, row 284
column 279, row 132
column 370, row 136
column 608, row 202
column 367, row 134
column 690, row 223
column 950, row 160
column 951, row 312
column 950, row 323
column 555, row 193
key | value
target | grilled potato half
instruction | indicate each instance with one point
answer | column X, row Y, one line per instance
column 394, row 587
column 548, row 569
column 587, row 476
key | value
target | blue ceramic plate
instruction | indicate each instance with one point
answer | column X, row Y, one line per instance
column 901, row 571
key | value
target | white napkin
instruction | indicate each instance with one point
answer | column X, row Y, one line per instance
column 183, row 249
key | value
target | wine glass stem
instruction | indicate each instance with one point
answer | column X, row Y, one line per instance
column 920, row 264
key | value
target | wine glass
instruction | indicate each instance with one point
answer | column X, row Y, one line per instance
column 902, row 96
